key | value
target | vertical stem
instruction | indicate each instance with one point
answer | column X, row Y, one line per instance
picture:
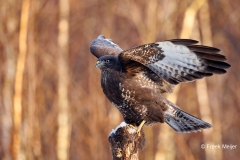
column 64, row 127
column 189, row 18
column 203, row 98
column 17, row 102
column 33, row 129
column 187, row 29
column 6, row 111
column 9, row 71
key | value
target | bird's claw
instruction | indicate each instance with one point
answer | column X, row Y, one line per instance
column 133, row 127
column 139, row 128
column 139, row 133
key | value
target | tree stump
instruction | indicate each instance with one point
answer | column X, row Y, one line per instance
column 126, row 143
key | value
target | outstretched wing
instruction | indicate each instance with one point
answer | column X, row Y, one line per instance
column 102, row 46
column 177, row 60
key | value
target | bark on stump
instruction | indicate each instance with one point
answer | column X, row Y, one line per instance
column 126, row 143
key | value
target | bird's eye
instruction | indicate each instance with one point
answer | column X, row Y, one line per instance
column 107, row 61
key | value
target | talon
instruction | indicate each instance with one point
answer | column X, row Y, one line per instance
column 139, row 128
column 139, row 134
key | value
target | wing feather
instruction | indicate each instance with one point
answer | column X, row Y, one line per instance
column 178, row 60
column 204, row 49
column 102, row 46
column 184, row 42
column 214, row 57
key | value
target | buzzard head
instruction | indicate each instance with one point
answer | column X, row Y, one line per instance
column 109, row 62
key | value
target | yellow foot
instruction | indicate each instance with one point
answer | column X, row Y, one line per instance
column 139, row 134
column 133, row 127
column 139, row 128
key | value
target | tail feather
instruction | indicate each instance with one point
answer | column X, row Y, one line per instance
column 181, row 121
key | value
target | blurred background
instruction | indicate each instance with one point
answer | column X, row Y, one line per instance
column 51, row 102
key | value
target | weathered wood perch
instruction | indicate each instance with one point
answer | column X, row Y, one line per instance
column 126, row 143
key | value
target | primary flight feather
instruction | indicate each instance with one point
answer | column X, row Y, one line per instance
column 135, row 79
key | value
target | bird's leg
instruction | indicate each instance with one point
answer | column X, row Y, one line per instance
column 140, row 127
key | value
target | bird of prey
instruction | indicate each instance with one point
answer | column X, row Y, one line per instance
column 135, row 79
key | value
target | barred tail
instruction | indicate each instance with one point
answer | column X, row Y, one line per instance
column 183, row 122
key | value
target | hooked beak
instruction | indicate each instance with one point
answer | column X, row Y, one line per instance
column 99, row 64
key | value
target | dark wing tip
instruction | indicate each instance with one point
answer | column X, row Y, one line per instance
column 215, row 70
column 216, row 64
column 185, row 42
column 214, row 57
column 204, row 49
column 102, row 46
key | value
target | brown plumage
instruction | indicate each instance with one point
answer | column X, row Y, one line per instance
column 134, row 79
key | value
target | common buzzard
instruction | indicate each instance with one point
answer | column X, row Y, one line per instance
column 135, row 79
